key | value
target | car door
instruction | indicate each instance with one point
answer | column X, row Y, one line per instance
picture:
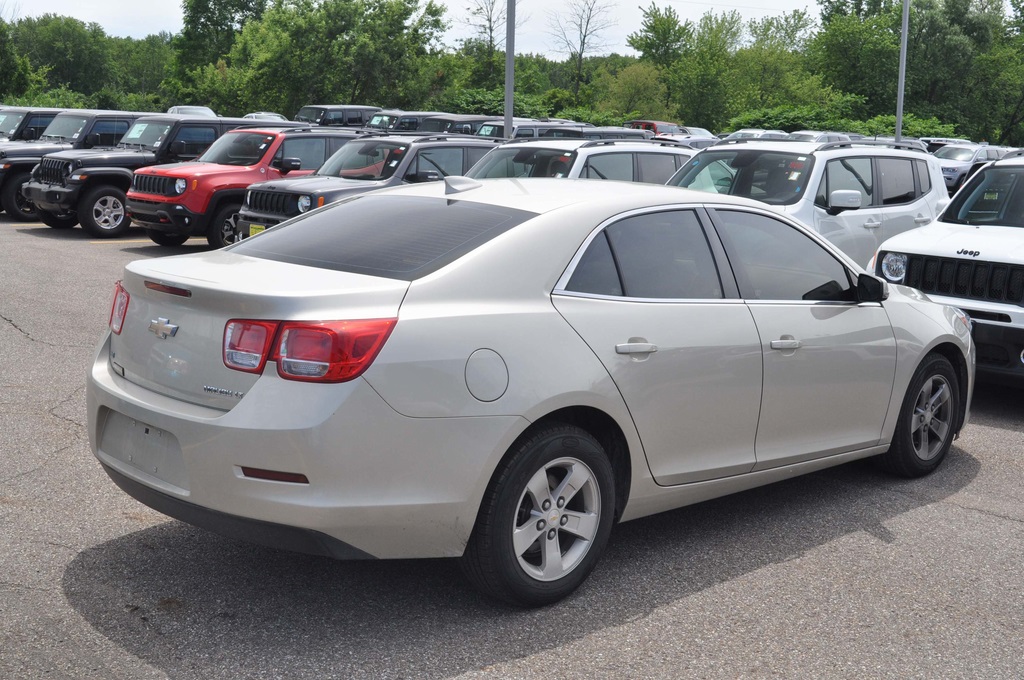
column 829, row 362
column 646, row 297
column 904, row 201
column 853, row 231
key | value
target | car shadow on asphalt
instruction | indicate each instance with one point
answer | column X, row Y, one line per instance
column 193, row 604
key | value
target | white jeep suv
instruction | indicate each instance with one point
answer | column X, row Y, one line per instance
column 972, row 257
column 854, row 193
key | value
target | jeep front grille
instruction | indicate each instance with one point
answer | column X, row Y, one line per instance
column 51, row 171
column 969, row 279
column 272, row 202
column 153, row 184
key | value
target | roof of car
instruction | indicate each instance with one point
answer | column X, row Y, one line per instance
column 576, row 143
column 818, row 148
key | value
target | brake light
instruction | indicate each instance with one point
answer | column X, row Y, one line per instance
column 309, row 351
column 118, row 309
column 247, row 344
column 330, row 351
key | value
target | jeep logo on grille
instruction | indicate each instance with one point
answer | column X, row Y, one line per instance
column 972, row 253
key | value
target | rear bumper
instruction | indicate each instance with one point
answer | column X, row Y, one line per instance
column 169, row 218
column 52, row 197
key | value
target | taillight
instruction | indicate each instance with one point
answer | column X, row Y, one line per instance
column 247, row 344
column 310, row 351
column 118, row 309
column 330, row 351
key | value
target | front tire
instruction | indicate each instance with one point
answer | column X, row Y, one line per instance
column 545, row 519
column 164, row 239
column 928, row 420
column 223, row 230
column 15, row 205
column 61, row 221
column 102, row 213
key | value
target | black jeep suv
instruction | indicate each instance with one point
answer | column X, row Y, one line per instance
column 361, row 165
column 77, row 129
column 89, row 186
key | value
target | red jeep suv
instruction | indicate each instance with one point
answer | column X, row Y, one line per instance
column 203, row 197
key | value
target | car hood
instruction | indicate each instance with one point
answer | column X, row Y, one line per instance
column 195, row 169
column 317, row 184
column 944, row 239
column 96, row 157
column 17, row 149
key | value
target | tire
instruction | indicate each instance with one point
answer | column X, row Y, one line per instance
column 223, row 230
column 102, row 212
column 15, row 205
column 62, row 221
column 927, row 421
column 163, row 239
column 524, row 521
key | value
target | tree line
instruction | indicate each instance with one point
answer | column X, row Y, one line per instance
column 965, row 64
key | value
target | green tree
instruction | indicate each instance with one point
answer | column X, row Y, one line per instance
column 577, row 34
column 14, row 68
column 73, row 53
column 638, row 89
column 662, row 36
column 209, row 29
column 705, row 78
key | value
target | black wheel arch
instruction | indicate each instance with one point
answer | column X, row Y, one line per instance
column 955, row 357
column 120, row 178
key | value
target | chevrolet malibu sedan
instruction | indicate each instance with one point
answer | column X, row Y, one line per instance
column 498, row 371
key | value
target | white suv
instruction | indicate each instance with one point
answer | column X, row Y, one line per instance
column 972, row 257
column 854, row 193
column 638, row 160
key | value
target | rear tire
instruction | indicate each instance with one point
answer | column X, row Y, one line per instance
column 928, row 420
column 223, row 230
column 163, row 239
column 62, row 221
column 15, row 205
column 545, row 519
column 102, row 212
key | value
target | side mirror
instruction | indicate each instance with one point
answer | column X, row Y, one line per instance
column 843, row 199
column 92, row 140
column 286, row 165
column 31, row 134
column 871, row 288
column 179, row 149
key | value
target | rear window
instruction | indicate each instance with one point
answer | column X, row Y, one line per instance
column 396, row 237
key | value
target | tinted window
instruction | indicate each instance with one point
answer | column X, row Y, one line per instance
column 775, row 177
column 655, row 168
column 660, row 255
column 896, row 178
column 474, row 154
column 609, row 166
column 197, row 137
column 848, row 174
column 774, row 261
column 110, row 131
column 372, row 235
column 924, row 177
column 310, row 150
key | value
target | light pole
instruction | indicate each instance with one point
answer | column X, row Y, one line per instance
column 510, row 64
column 903, row 70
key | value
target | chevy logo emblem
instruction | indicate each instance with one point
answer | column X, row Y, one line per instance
column 163, row 328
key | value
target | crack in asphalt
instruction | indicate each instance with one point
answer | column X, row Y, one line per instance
column 34, row 339
column 66, row 400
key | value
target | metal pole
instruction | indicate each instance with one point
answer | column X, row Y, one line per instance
column 510, row 64
column 903, row 70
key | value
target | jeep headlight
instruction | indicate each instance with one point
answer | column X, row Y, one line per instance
column 69, row 168
column 304, row 203
column 894, row 267
column 248, row 199
column 179, row 186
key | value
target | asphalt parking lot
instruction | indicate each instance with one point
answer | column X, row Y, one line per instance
column 846, row 573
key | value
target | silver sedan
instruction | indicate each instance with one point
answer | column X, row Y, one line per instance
column 500, row 370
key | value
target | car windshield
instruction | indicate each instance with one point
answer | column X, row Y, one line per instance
column 145, row 135
column 238, row 148
column 491, row 130
column 309, row 114
column 381, row 121
column 774, row 177
column 994, row 196
column 65, row 128
column 365, row 160
column 9, row 122
column 524, row 161
column 955, row 153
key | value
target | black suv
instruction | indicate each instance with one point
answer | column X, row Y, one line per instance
column 359, row 166
column 337, row 115
column 22, row 123
column 78, row 129
column 88, row 186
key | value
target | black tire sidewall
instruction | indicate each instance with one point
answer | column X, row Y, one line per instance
column 169, row 240
column 215, row 231
column 901, row 457
column 9, row 194
column 88, row 202
column 57, row 221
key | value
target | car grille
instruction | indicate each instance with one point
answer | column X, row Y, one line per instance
column 989, row 281
column 51, row 171
column 273, row 202
column 153, row 184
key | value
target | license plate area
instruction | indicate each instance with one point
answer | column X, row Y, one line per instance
column 247, row 229
column 150, row 450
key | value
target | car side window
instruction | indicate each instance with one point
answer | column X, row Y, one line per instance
column 196, row 139
column 924, row 178
column 474, row 154
column 441, row 159
column 656, row 168
column 853, row 174
column 662, row 255
column 773, row 260
column 896, row 176
column 311, row 151
column 110, row 131
column 609, row 166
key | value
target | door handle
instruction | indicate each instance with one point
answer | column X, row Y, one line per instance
column 872, row 225
column 636, row 348
column 922, row 220
column 786, row 344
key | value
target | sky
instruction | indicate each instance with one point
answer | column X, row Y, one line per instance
column 132, row 18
